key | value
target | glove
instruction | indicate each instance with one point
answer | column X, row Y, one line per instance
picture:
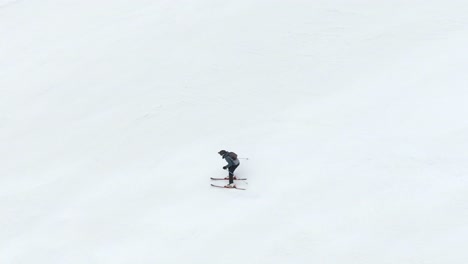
column 225, row 167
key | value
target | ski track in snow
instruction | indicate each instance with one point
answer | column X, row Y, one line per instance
column 6, row 3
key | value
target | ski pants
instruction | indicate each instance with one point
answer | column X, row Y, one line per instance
column 231, row 172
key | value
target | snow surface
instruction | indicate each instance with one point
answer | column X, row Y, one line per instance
column 353, row 114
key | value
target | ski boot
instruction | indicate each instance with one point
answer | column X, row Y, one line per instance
column 231, row 185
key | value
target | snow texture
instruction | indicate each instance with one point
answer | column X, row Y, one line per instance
column 353, row 114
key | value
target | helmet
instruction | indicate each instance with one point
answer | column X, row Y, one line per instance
column 222, row 152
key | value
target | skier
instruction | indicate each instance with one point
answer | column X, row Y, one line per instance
column 233, row 163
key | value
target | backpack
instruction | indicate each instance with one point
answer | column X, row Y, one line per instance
column 233, row 155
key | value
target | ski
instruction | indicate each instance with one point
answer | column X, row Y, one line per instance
column 219, row 186
column 220, row 179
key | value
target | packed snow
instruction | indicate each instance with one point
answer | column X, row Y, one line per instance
column 350, row 118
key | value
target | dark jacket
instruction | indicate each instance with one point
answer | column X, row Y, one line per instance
column 230, row 161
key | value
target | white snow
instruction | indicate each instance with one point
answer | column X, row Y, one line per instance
column 353, row 114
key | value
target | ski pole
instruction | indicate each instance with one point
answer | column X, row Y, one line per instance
column 244, row 158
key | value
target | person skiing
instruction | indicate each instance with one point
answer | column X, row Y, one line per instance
column 233, row 163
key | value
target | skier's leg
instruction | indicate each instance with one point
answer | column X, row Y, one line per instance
column 235, row 167
column 232, row 169
column 231, row 174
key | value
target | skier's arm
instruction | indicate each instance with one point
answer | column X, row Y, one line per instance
column 229, row 161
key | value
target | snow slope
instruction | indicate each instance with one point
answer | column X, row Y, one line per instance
column 352, row 114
